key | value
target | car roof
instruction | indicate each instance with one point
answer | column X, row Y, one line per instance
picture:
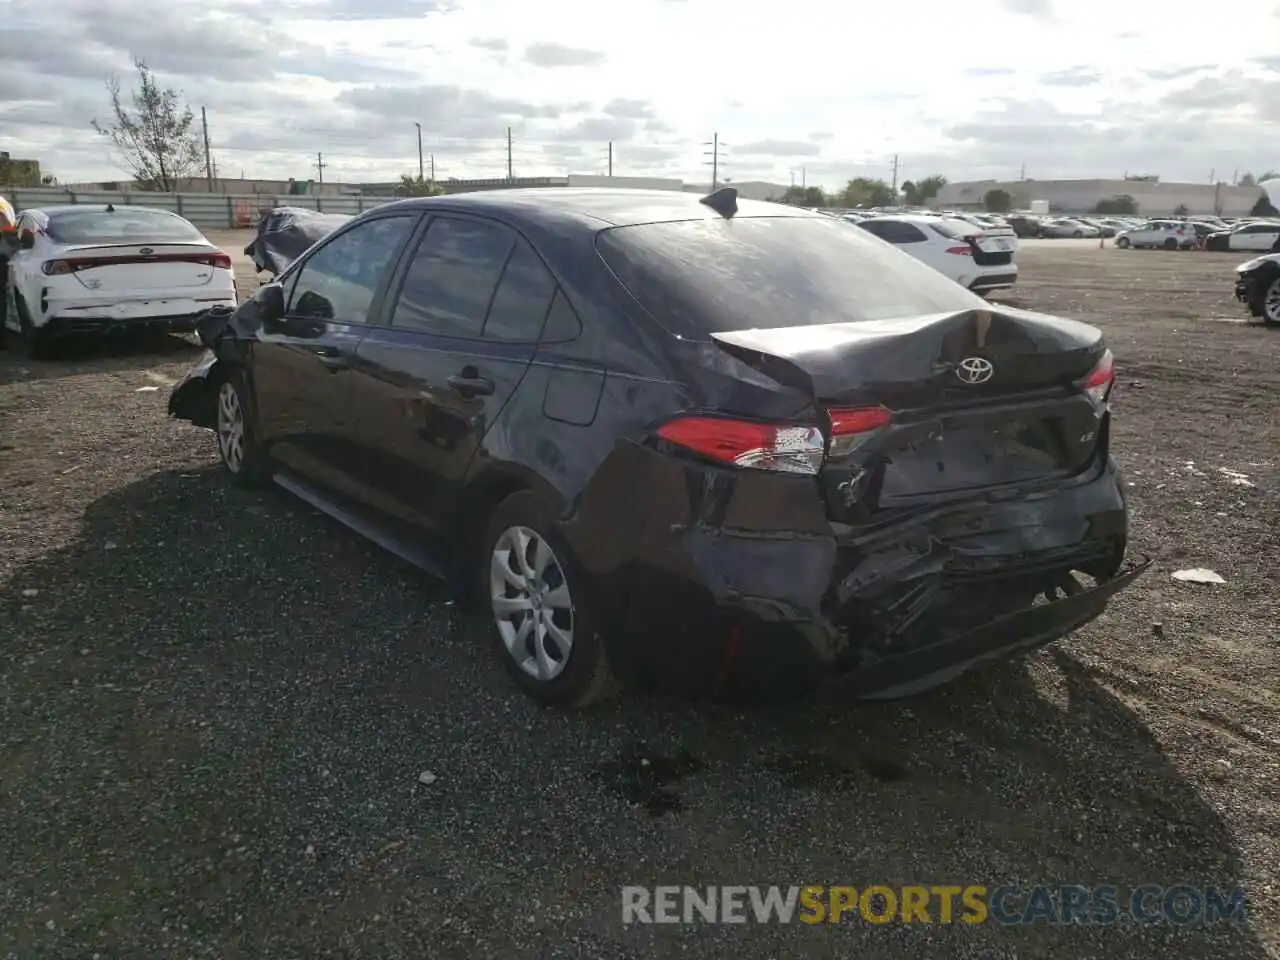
column 591, row 207
column 96, row 208
column 916, row 217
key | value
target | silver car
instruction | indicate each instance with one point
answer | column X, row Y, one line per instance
column 1067, row 227
column 1161, row 234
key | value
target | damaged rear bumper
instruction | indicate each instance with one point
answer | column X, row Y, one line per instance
column 896, row 608
column 922, row 668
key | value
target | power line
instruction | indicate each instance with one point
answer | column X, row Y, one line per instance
column 208, row 162
column 714, row 154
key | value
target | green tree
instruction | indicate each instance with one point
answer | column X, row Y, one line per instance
column 1263, row 208
column 154, row 134
column 1180, row 210
column 868, row 192
column 910, row 194
column 1269, row 175
column 1247, row 180
column 415, row 186
column 1121, row 206
column 998, row 201
column 928, row 188
column 798, row 196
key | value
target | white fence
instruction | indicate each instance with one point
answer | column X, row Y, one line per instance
column 208, row 211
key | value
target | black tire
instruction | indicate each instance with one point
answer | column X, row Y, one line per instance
column 1259, row 307
column 246, row 463
column 1123, row 243
column 40, row 346
column 1171, row 244
column 583, row 676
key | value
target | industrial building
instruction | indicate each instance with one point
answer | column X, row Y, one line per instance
column 18, row 173
column 1153, row 198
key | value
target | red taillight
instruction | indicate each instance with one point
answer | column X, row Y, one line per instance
column 850, row 429
column 783, row 448
column 961, row 251
column 1099, row 383
column 217, row 260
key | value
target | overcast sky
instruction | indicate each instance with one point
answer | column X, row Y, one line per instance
column 972, row 90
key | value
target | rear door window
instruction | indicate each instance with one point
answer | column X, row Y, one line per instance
column 453, row 277
column 897, row 231
column 698, row 277
column 523, row 297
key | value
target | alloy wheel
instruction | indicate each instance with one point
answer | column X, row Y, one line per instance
column 230, row 427
column 1271, row 303
column 532, row 606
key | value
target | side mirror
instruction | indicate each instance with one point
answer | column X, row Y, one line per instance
column 26, row 240
column 270, row 302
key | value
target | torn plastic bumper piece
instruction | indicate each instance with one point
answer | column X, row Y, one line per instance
column 923, row 667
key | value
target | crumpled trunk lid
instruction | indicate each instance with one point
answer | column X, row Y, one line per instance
column 982, row 400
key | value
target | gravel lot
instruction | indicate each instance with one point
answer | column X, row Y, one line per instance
column 215, row 706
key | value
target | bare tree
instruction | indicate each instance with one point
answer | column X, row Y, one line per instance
column 156, row 135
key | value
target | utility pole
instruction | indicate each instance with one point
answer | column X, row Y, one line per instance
column 510, row 173
column 208, row 162
column 421, row 171
column 804, row 179
column 611, row 158
column 320, row 165
column 433, row 168
column 714, row 154
column 894, row 185
column 1023, row 174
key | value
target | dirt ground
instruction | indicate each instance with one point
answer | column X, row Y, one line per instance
column 215, row 706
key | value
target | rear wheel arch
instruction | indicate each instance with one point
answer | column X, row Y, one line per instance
column 482, row 495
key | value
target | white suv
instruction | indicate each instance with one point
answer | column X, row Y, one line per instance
column 982, row 260
column 1165, row 234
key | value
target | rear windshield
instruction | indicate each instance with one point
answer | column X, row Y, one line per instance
column 122, row 226
column 953, row 229
column 698, row 277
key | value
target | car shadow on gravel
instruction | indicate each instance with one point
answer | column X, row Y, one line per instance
column 228, row 727
column 77, row 358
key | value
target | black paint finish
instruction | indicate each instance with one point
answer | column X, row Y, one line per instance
column 977, row 499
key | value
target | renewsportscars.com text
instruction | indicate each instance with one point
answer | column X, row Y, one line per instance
column 1181, row 904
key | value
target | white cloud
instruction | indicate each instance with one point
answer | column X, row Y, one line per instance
column 1087, row 88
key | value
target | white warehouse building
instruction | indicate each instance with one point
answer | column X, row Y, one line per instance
column 1083, row 196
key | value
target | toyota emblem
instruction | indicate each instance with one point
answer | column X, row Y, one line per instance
column 975, row 370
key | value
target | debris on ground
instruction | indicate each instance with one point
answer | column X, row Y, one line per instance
column 1197, row 575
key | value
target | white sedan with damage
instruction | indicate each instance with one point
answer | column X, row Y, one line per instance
column 102, row 270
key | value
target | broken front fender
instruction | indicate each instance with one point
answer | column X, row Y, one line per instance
column 194, row 396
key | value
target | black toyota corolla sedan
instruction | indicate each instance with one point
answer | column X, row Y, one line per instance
column 614, row 417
